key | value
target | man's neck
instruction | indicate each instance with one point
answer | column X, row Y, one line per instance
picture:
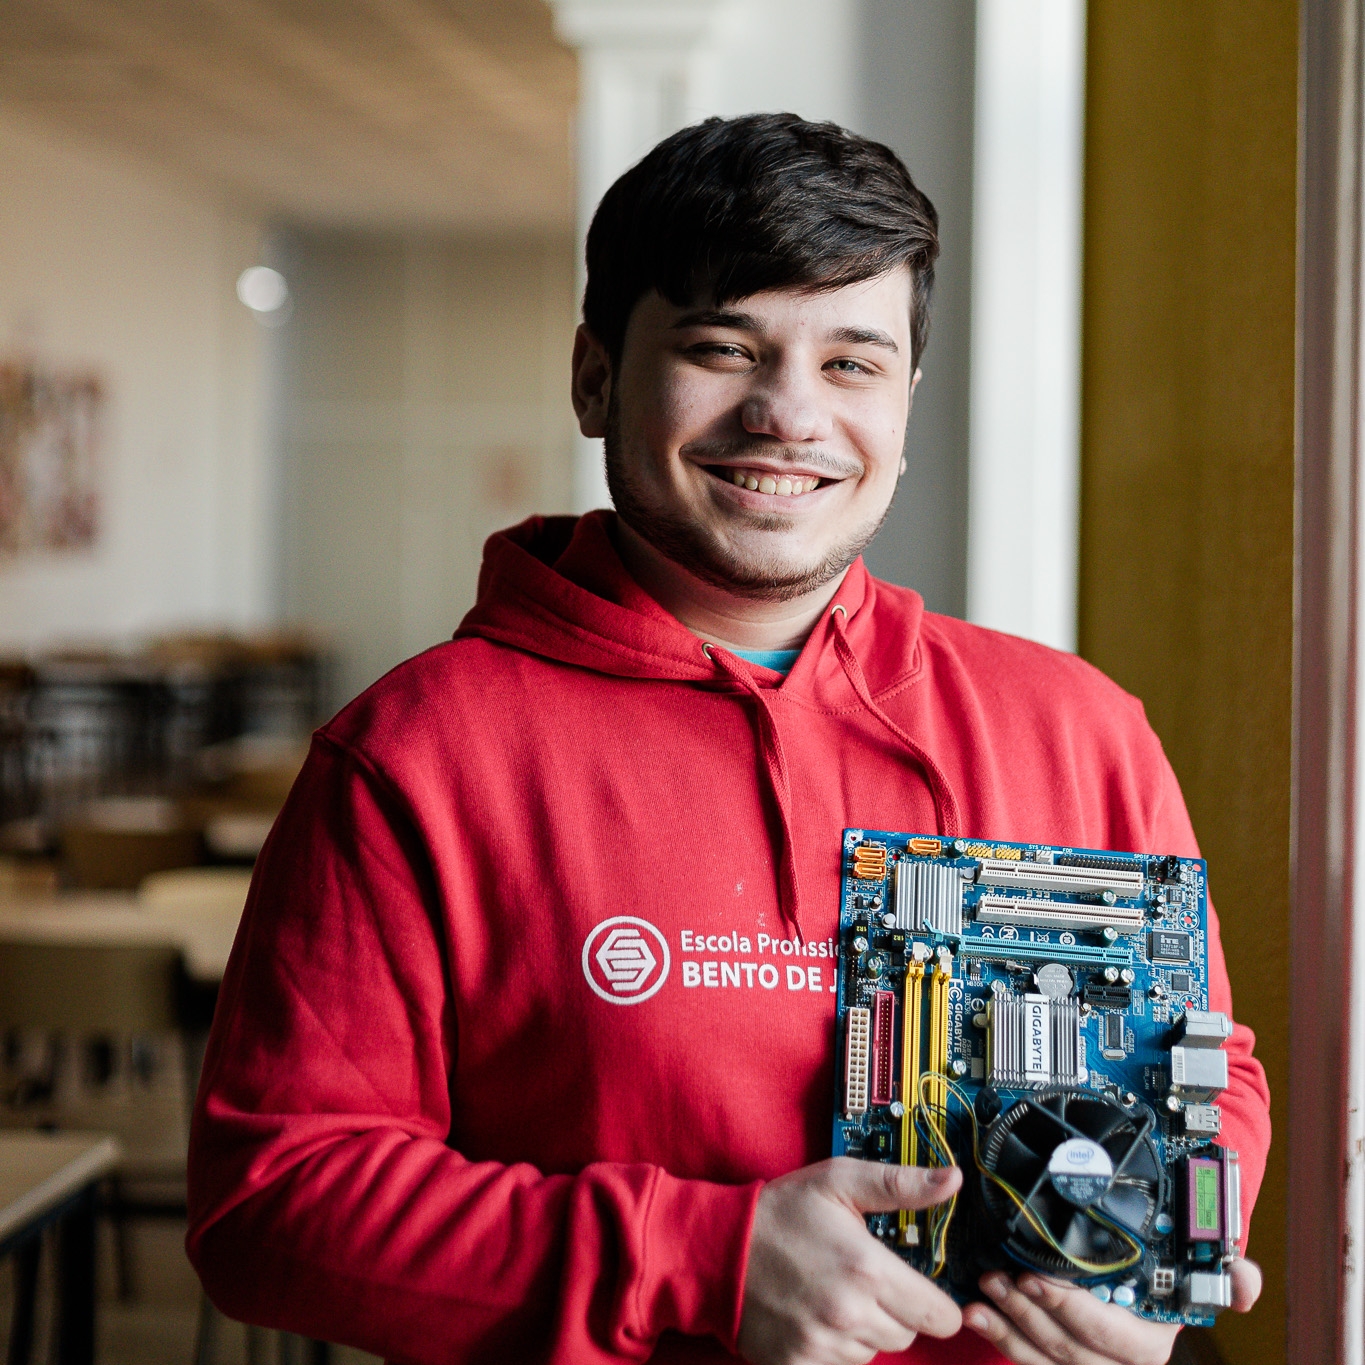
column 714, row 613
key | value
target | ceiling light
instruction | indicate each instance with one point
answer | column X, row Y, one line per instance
column 262, row 289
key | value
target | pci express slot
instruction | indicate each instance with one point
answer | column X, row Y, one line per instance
column 912, row 1022
column 1022, row 950
column 859, row 1026
column 883, row 1045
column 1045, row 914
column 1059, row 877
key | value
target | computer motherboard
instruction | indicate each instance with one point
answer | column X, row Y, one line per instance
column 1039, row 1017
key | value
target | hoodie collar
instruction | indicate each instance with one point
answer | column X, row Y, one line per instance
column 556, row 587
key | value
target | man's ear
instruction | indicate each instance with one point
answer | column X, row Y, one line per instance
column 591, row 384
column 914, row 384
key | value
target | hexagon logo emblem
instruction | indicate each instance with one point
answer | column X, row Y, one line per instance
column 625, row 959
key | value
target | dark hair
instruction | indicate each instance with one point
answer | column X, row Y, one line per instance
column 730, row 207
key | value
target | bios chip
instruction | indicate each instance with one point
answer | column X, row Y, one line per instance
column 1168, row 945
column 1182, row 982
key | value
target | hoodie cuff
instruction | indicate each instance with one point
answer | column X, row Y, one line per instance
column 696, row 1251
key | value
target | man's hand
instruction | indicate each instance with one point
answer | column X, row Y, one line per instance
column 1045, row 1322
column 820, row 1290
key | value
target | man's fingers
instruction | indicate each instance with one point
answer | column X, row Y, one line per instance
column 1246, row 1284
column 915, row 1301
column 1003, row 1335
column 1068, row 1323
column 875, row 1187
column 1040, row 1326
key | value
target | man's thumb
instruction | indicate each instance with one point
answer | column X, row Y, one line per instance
column 874, row 1187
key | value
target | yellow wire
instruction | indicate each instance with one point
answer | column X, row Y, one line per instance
column 937, row 1138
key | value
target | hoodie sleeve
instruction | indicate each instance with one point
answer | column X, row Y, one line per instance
column 1246, row 1101
column 323, row 1196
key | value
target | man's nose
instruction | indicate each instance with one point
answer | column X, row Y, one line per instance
column 789, row 405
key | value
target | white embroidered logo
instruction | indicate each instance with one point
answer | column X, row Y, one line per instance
column 625, row 959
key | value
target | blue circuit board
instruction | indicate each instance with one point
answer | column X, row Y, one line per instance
column 1039, row 1016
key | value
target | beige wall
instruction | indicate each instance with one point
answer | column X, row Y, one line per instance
column 107, row 265
column 1188, row 468
column 426, row 405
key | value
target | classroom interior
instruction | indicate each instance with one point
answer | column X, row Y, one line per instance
column 287, row 294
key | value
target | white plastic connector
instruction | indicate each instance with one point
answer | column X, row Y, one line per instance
column 857, row 1061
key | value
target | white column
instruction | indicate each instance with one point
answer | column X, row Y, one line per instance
column 1026, row 274
column 646, row 69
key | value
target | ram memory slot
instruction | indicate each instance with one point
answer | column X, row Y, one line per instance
column 912, row 1011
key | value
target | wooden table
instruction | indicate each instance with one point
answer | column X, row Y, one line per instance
column 48, row 1179
column 204, row 938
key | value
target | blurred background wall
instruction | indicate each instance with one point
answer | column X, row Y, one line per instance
column 424, row 408
column 112, row 266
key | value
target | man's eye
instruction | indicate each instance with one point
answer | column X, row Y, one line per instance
column 725, row 349
column 846, row 366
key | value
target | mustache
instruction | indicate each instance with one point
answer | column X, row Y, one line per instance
column 717, row 452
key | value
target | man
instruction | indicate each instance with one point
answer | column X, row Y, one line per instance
column 525, row 1050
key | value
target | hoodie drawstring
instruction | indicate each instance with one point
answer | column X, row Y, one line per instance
column 775, row 762
column 779, row 782
column 945, row 803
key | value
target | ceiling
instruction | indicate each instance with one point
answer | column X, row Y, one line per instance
column 428, row 114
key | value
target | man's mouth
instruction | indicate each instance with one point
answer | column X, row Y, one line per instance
column 765, row 481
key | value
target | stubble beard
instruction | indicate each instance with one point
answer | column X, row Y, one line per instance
column 757, row 577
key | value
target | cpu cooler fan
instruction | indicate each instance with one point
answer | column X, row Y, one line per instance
column 1078, row 1160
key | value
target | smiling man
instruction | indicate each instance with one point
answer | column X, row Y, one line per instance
column 525, row 1051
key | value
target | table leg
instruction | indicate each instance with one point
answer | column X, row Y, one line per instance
column 76, row 1284
column 26, row 1262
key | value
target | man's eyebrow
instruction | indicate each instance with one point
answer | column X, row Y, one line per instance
column 865, row 336
column 717, row 317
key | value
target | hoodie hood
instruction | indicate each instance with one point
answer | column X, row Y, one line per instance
column 556, row 587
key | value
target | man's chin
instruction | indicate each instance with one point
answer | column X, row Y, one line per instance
column 767, row 572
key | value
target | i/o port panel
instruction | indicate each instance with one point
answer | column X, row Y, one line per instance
column 1039, row 1016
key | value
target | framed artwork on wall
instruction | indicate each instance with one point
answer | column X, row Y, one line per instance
column 50, row 424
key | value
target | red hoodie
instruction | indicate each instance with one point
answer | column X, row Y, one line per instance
column 534, row 986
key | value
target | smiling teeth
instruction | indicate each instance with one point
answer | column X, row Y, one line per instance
column 767, row 483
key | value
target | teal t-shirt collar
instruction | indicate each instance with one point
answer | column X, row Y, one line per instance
column 779, row 660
